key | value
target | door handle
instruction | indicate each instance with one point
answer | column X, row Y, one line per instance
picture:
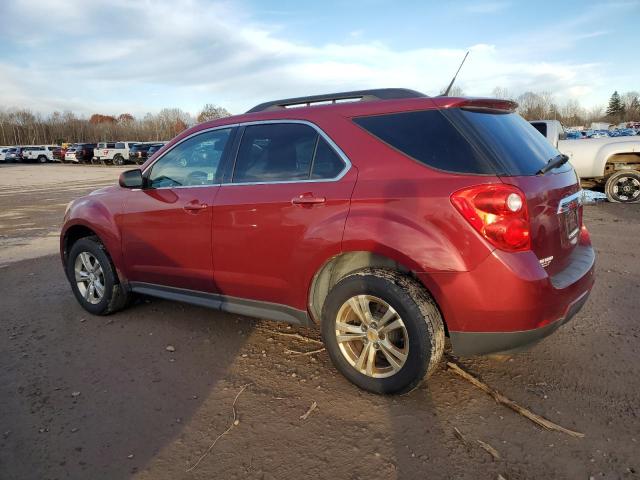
column 307, row 199
column 195, row 207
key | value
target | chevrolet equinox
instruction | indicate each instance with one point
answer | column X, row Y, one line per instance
column 388, row 219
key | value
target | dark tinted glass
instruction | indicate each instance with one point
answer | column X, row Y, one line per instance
column 508, row 140
column 427, row 136
column 465, row 141
column 541, row 127
column 275, row 152
column 327, row 163
column 120, row 145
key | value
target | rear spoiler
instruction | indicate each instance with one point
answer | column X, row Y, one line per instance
column 479, row 104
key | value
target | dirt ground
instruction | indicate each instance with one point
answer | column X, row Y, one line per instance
column 87, row 397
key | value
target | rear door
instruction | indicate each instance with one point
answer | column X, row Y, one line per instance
column 166, row 227
column 284, row 205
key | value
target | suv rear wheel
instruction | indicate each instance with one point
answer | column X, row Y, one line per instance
column 382, row 331
column 93, row 278
column 42, row 159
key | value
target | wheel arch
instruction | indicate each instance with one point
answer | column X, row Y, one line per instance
column 73, row 234
column 339, row 266
column 78, row 230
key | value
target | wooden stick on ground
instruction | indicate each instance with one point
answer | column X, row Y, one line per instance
column 294, row 335
column 500, row 398
column 234, row 423
column 311, row 352
column 313, row 406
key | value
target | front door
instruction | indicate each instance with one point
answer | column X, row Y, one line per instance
column 166, row 227
column 285, row 207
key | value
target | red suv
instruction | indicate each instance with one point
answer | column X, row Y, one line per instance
column 384, row 217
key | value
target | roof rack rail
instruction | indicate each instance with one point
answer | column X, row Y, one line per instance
column 356, row 95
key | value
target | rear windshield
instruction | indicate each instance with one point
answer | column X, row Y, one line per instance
column 465, row 141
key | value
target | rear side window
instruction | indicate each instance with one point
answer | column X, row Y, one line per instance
column 465, row 141
column 428, row 137
column 327, row 163
column 120, row 145
column 284, row 152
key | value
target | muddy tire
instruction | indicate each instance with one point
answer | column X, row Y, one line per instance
column 382, row 330
column 42, row 159
column 623, row 187
column 93, row 278
column 118, row 160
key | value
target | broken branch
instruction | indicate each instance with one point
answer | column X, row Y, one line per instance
column 500, row 398
column 312, row 352
column 489, row 449
column 234, row 422
column 295, row 335
column 311, row 409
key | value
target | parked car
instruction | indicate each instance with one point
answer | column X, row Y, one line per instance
column 14, row 154
column 3, row 153
column 138, row 152
column 113, row 152
column 70, row 154
column 58, row 153
column 610, row 162
column 82, row 153
column 387, row 222
column 42, row 153
column 154, row 147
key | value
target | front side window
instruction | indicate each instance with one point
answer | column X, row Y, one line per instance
column 195, row 161
column 284, row 152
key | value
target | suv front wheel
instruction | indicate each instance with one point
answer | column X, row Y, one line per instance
column 382, row 330
column 93, row 278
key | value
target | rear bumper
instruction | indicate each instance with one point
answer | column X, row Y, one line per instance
column 481, row 343
column 509, row 301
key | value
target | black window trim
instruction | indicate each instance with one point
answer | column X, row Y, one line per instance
column 227, row 166
column 228, row 180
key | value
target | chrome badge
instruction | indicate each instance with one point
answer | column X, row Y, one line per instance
column 546, row 261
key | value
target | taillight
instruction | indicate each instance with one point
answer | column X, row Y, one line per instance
column 498, row 212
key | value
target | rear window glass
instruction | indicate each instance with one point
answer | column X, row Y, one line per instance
column 464, row 141
column 541, row 127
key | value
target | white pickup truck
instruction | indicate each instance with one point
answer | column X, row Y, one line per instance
column 612, row 162
column 113, row 152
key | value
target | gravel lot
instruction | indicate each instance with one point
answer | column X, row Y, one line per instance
column 102, row 397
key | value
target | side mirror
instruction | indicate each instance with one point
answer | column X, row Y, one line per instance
column 131, row 179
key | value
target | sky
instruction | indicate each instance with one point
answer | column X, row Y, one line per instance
column 137, row 56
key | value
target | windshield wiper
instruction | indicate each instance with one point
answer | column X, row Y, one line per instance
column 555, row 162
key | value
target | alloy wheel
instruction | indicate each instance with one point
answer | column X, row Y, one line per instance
column 371, row 336
column 89, row 277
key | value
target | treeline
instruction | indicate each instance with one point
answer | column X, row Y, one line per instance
column 23, row 127
column 545, row 105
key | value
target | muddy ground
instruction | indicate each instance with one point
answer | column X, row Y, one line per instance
column 87, row 397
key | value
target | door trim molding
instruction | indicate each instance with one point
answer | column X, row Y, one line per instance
column 225, row 303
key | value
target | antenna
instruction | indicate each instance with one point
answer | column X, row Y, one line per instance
column 446, row 92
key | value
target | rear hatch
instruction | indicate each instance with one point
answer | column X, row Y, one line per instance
column 486, row 139
column 517, row 152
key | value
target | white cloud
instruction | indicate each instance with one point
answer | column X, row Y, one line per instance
column 189, row 52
